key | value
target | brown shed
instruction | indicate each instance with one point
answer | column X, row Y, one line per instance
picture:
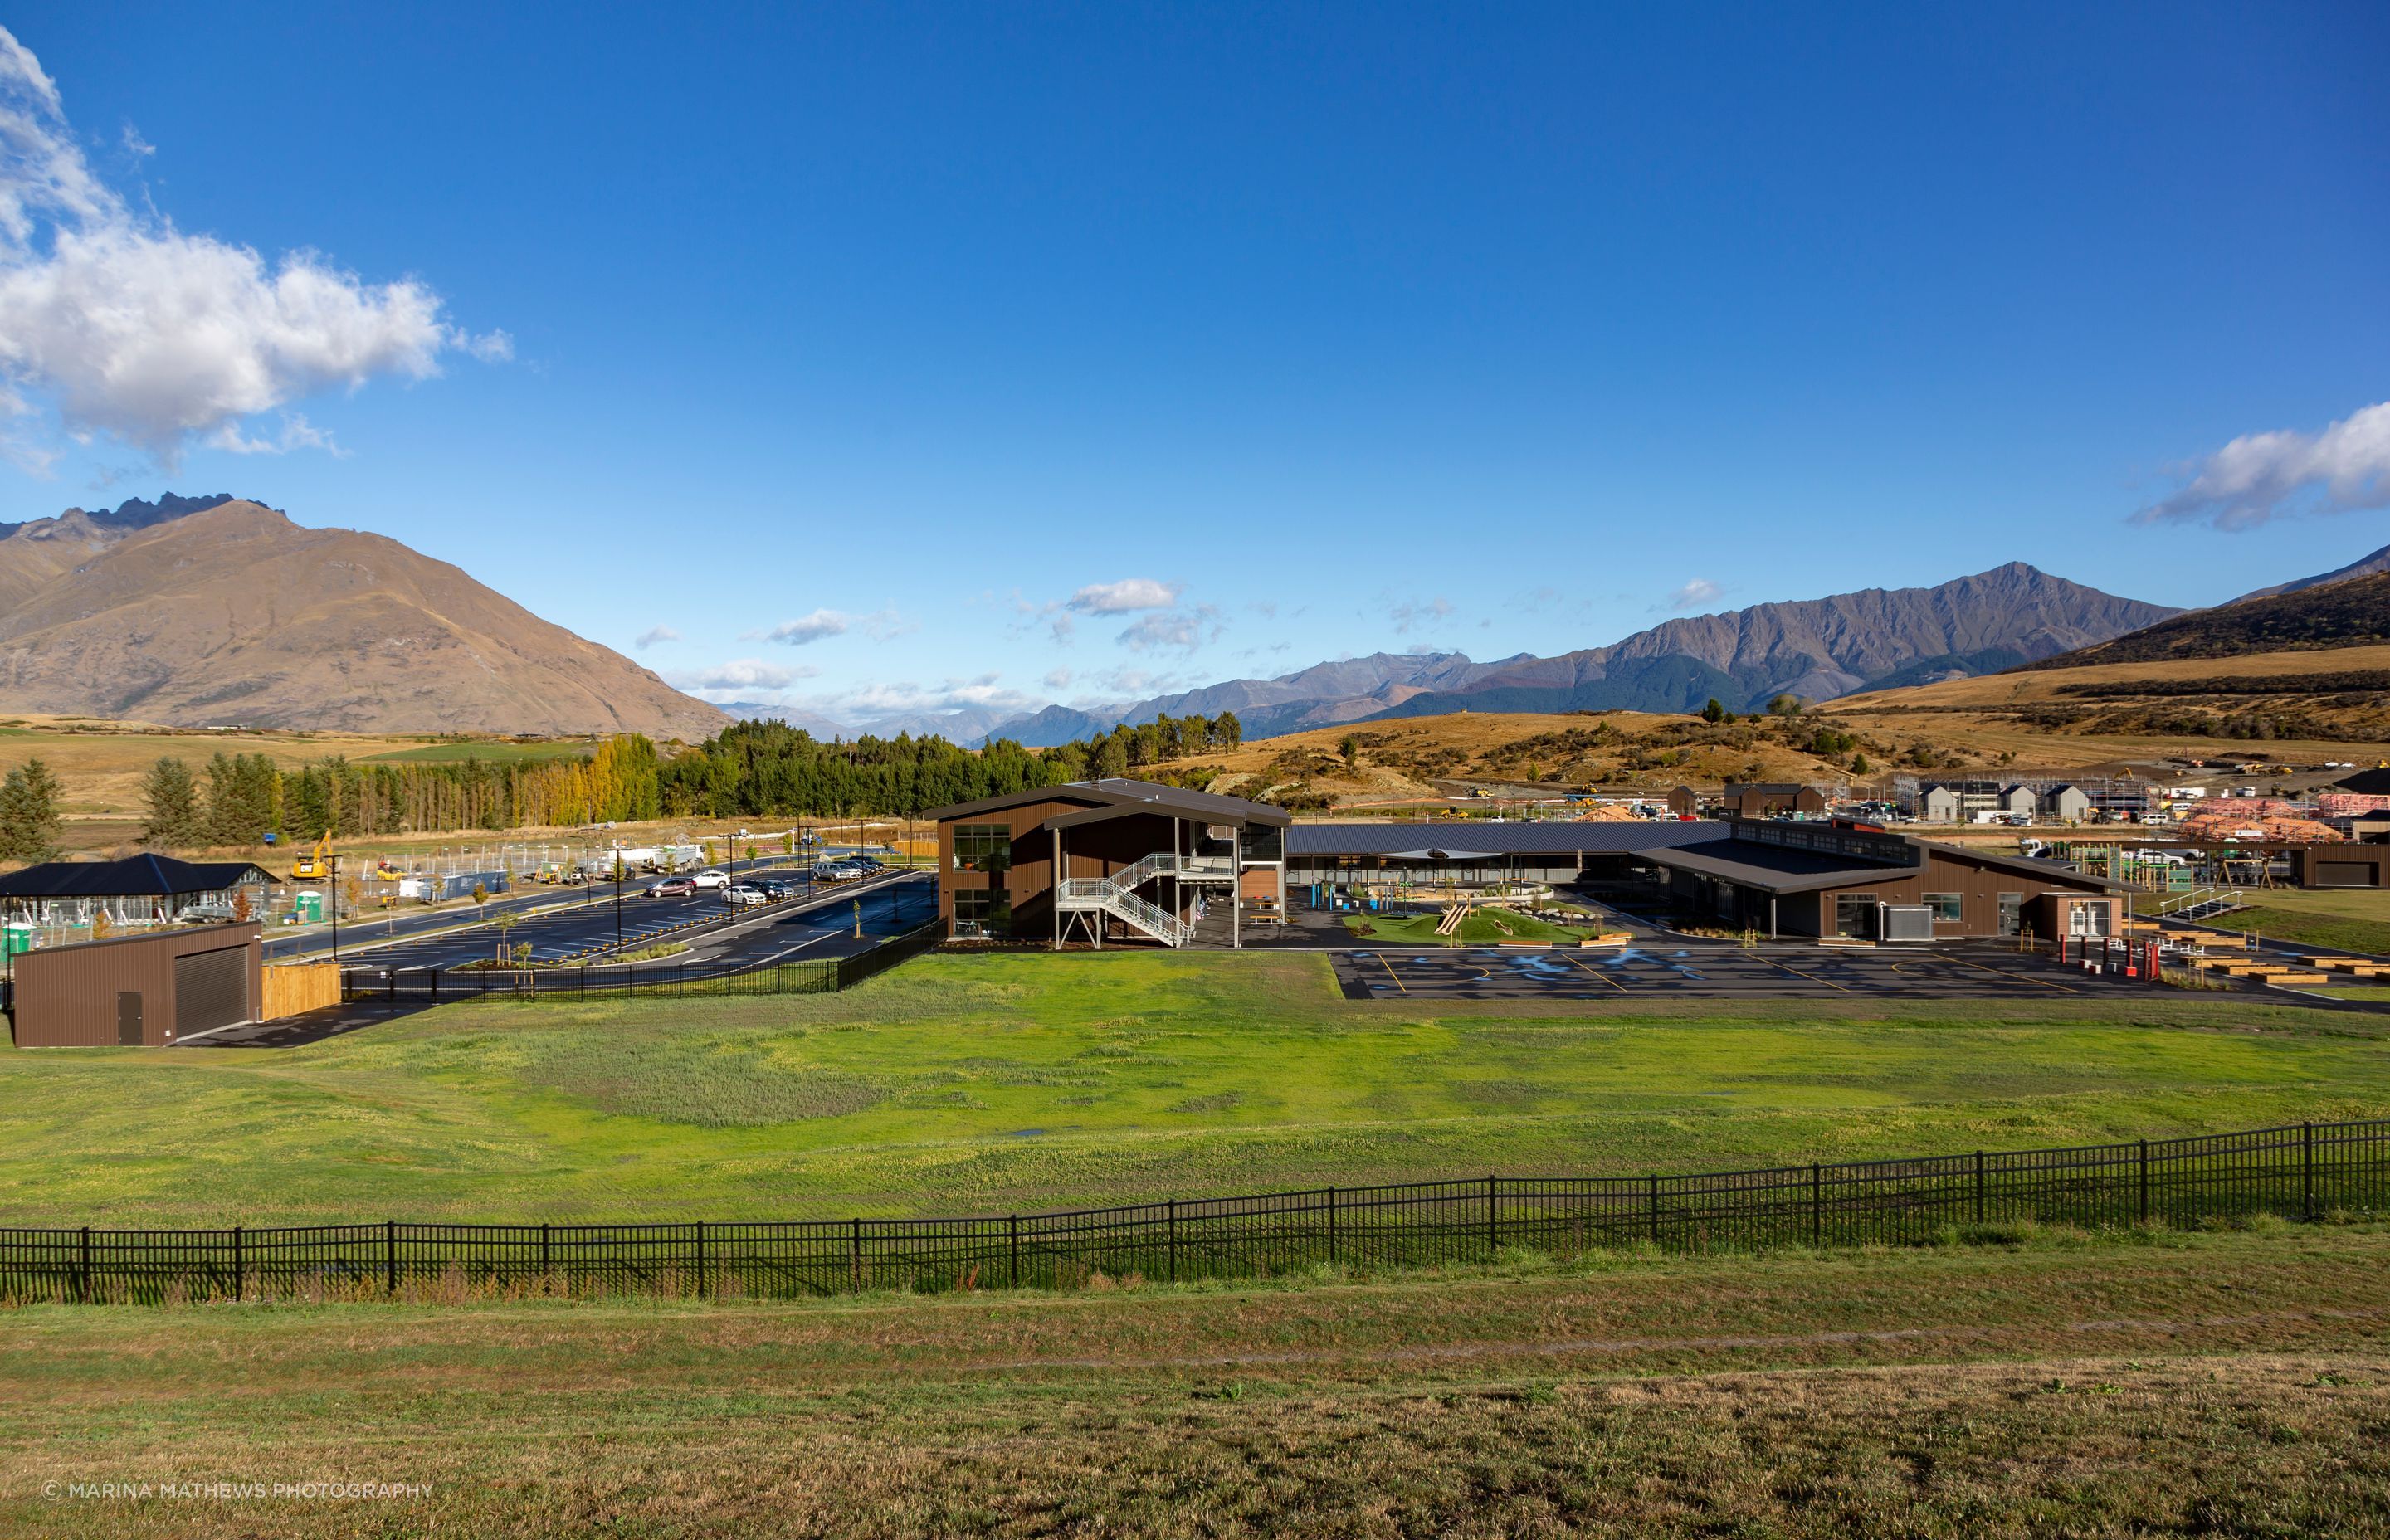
column 151, row 990
column 2349, row 865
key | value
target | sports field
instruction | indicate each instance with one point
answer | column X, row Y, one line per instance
column 2353, row 919
column 1003, row 1082
column 2039, row 1384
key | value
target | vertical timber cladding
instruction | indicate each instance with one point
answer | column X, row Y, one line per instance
column 128, row 991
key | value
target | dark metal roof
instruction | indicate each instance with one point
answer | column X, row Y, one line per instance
column 1337, row 838
column 135, row 876
column 1780, row 870
column 1775, row 869
column 1101, row 798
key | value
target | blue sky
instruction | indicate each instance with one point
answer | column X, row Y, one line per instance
column 897, row 357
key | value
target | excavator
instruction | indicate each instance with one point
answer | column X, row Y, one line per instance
column 315, row 865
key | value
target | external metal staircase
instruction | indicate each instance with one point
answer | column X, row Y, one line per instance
column 2201, row 904
column 1116, row 895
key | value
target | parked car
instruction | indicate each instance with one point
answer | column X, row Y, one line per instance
column 837, row 871
column 868, row 863
column 745, row 894
column 778, row 887
column 672, row 887
column 709, row 878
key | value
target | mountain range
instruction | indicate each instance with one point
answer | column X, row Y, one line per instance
column 1874, row 638
column 197, row 612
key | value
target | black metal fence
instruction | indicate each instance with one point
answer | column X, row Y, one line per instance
column 2305, row 1172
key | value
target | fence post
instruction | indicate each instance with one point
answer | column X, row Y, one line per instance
column 236, row 1268
column 701, row 1259
column 390, row 1257
column 1817, row 1204
column 2144, row 1172
column 854, row 1252
column 1012, row 1234
column 2307, row 1170
column 680, row 980
column 1331, row 1225
column 1493, row 1219
column 1655, row 1207
column 1979, row 1187
column 1173, row 1223
column 82, row 1286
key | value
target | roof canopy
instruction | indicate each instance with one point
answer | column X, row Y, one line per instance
column 1115, row 795
column 135, row 876
column 1483, row 838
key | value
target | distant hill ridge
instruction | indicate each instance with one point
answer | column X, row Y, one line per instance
column 210, row 611
column 2344, row 612
column 1817, row 649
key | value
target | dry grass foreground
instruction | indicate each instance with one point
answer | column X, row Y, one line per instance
column 2224, row 1385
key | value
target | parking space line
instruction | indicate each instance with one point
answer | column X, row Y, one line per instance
column 2064, row 989
column 1798, row 974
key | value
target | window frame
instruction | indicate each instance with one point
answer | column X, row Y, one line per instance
column 1956, row 909
column 983, row 842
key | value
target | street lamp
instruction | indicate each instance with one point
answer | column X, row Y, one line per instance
column 618, row 900
column 336, row 906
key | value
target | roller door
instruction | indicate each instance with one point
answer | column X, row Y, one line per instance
column 210, row 990
column 2344, row 873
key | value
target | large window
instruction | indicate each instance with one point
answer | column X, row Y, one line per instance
column 982, row 847
column 2087, row 918
column 982, row 912
column 1948, row 907
column 1855, row 914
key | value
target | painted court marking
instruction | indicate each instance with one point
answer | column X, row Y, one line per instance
column 1811, row 977
column 2064, row 989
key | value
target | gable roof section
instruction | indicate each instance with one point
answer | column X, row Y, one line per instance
column 1116, row 795
column 1778, row 869
column 135, row 876
column 1462, row 837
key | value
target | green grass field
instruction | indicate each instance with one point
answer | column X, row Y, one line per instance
column 2231, row 1384
column 1008, row 1082
column 1478, row 928
column 2348, row 919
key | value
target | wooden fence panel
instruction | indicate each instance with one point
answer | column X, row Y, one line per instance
column 292, row 988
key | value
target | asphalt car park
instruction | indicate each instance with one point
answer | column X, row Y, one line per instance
column 1984, row 971
column 587, row 930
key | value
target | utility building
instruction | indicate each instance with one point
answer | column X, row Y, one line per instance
column 1835, row 881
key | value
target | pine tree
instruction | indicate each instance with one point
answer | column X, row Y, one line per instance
column 29, row 813
column 1714, row 712
column 172, row 799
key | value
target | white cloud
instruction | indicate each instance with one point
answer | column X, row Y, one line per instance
column 1410, row 614
column 740, row 674
column 1182, row 630
column 653, row 635
column 880, row 627
column 1059, row 679
column 1123, row 597
column 2260, row 476
column 807, row 628
column 1700, row 591
column 297, row 433
column 128, row 328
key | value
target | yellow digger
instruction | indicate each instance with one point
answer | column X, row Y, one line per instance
column 315, row 865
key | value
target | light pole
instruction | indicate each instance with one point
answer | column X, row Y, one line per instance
column 334, row 885
column 618, row 900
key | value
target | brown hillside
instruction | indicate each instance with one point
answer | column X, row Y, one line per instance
column 1433, row 756
column 236, row 615
column 2304, row 702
